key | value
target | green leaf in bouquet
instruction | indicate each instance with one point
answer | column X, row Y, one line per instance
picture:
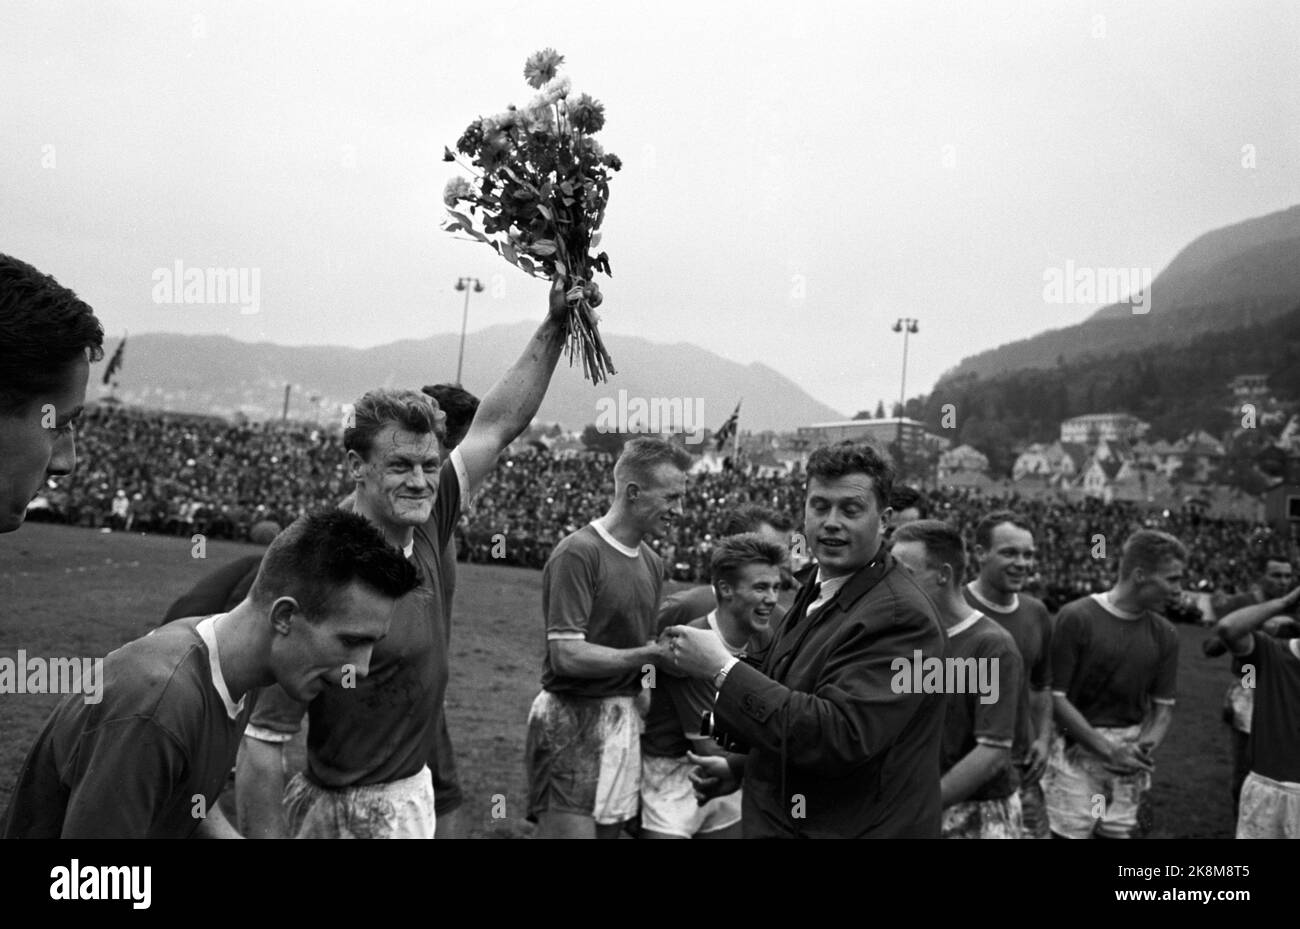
column 543, row 247
column 523, row 195
column 546, row 211
column 466, row 225
column 463, row 220
column 509, row 254
column 569, row 201
column 527, row 264
column 595, row 240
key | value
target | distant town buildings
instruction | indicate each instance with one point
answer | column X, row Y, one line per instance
column 916, row 438
column 963, row 458
column 1089, row 428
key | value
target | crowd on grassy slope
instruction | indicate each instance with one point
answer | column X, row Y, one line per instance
column 184, row 474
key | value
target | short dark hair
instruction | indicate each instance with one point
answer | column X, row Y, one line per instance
column 829, row 462
column 460, row 406
column 903, row 497
column 984, row 528
column 1147, row 548
column 323, row 552
column 943, row 544
column 408, row 409
column 44, row 327
column 749, row 517
column 643, row 455
column 737, row 551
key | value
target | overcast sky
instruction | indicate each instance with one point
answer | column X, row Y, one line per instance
column 796, row 176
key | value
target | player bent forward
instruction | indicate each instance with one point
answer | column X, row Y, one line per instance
column 746, row 572
column 150, row 759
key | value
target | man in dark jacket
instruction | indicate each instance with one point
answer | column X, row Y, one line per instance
column 837, row 746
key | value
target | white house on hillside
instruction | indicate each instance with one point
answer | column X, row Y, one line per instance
column 962, row 458
column 1090, row 427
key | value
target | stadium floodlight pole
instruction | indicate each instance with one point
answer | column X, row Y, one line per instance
column 906, row 325
column 464, row 284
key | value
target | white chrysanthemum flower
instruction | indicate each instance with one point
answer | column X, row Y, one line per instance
column 557, row 88
column 541, row 66
column 457, row 189
column 539, row 117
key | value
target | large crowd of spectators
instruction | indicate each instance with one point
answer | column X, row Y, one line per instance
column 184, row 474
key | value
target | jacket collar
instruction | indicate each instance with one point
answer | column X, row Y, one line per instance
column 861, row 583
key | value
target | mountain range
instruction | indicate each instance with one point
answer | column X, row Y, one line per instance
column 1235, row 277
column 219, row 375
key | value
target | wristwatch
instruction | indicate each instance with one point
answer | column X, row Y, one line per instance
column 721, row 676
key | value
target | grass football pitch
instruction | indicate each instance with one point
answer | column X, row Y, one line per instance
column 81, row 593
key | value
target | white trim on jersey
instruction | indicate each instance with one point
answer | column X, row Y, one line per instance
column 615, row 543
column 207, row 630
column 965, row 624
column 996, row 608
column 1112, row 609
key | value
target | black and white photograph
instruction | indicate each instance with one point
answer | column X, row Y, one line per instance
column 566, row 420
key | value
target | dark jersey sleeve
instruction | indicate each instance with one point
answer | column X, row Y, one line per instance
column 446, row 504
column 277, row 717
column 1040, row 675
column 1165, row 685
column 1066, row 643
column 995, row 720
column 570, row 576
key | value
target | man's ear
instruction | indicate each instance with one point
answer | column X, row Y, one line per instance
column 946, row 574
column 282, row 613
column 356, row 465
column 633, row 491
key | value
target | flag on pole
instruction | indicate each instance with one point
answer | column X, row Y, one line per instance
column 728, row 428
column 115, row 363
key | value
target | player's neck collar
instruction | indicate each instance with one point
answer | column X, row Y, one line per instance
column 619, row 546
column 1109, row 606
column 207, row 630
column 996, row 607
column 713, row 624
column 965, row 624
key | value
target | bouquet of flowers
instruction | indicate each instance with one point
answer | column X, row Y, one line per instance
column 541, row 182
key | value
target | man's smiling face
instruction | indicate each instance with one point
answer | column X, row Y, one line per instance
column 399, row 478
column 1009, row 560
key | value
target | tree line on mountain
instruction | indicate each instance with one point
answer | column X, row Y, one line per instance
column 1176, row 389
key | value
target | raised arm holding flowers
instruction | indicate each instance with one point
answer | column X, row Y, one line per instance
column 541, row 183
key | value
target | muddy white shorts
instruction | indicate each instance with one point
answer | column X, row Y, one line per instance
column 1269, row 809
column 583, row 755
column 400, row 809
column 1083, row 797
column 668, row 803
